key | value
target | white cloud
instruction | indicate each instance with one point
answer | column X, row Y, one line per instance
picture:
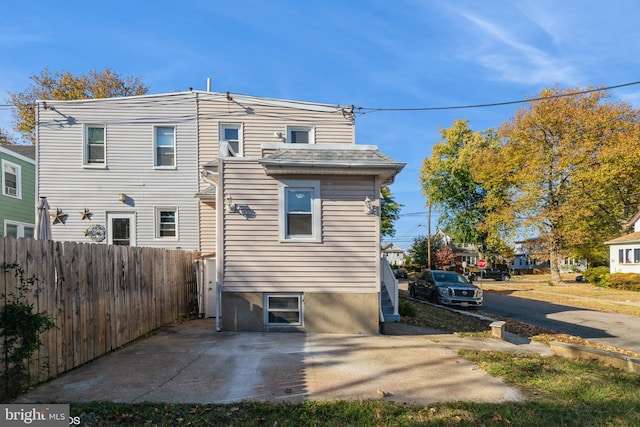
column 508, row 57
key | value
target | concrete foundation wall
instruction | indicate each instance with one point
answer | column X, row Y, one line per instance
column 323, row 313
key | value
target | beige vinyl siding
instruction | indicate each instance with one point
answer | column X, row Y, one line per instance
column 129, row 128
column 260, row 119
column 207, row 228
column 255, row 259
column 260, row 122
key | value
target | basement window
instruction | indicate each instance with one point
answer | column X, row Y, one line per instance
column 283, row 309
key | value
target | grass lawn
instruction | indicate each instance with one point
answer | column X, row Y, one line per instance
column 557, row 391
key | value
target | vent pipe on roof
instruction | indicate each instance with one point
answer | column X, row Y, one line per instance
column 208, row 84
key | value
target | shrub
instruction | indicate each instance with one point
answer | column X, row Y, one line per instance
column 20, row 330
column 626, row 281
column 599, row 276
column 406, row 309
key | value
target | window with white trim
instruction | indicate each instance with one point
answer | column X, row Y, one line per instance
column 18, row 229
column 121, row 229
column 283, row 310
column 299, row 211
column 165, row 146
column 300, row 135
column 629, row 256
column 231, row 139
column 166, row 223
column 94, row 145
column 11, row 179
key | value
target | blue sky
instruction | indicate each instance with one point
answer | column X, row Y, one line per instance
column 368, row 53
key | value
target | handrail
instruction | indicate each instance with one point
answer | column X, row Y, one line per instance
column 391, row 283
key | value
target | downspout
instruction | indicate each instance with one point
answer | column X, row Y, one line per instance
column 219, row 239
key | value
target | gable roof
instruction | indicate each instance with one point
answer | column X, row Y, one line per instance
column 340, row 159
column 27, row 151
column 627, row 238
column 633, row 220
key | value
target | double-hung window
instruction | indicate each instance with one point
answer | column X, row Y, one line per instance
column 300, row 135
column 18, row 229
column 231, row 140
column 299, row 207
column 95, row 146
column 283, row 310
column 11, row 179
column 166, row 223
column 165, row 146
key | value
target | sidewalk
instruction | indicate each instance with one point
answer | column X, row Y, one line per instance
column 191, row 363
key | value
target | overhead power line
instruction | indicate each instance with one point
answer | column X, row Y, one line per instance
column 366, row 110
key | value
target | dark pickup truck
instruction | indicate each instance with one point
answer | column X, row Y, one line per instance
column 491, row 273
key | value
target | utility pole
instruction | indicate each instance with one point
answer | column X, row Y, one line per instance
column 429, row 236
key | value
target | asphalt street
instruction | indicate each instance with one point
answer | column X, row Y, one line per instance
column 611, row 329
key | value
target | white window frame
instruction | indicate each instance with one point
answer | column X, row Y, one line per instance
column 316, row 210
column 222, row 140
column 132, row 226
column 299, row 309
column 21, row 226
column 157, row 222
column 5, row 165
column 88, row 163
column 155, row 147
column 310, row 129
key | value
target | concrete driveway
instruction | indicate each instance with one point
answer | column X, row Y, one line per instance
column 191, row 363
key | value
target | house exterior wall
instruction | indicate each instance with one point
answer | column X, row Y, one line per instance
column 260, row 119
column 628, row 261
column 129, row 123
column 18, row 210
column 254, row 258
column 337, row 277
column 323, row 313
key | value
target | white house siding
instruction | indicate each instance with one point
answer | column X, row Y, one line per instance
column 256, row 261
column 70, row 186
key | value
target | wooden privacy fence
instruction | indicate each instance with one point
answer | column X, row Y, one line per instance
column 100, row 297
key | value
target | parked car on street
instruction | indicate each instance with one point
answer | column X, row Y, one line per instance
column 445, row 287
column 495, row 274
column 400, row 274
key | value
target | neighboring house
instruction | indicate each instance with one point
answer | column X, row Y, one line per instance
column 466, row 255
column 529, row 256
column 275, row 194
column 625, row 250
column 395, row 254
column 17, row 199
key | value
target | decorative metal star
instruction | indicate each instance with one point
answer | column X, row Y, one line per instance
column 86, row 214
column 59, row 217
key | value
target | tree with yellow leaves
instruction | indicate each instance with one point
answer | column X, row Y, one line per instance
column 568, row 170
column 66, row 86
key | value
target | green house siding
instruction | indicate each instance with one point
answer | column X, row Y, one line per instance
column 19, row 212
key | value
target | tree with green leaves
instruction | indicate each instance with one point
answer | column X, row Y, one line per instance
column 419, row 251
column 567, row 170
column 449, row 186
column 389, row 213
column 62, row 85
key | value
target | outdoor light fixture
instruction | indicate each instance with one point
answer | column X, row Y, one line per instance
column 369, row 209
column 122, row 197
column 229, row 206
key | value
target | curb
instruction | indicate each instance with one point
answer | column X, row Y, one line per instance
column 617, row 360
